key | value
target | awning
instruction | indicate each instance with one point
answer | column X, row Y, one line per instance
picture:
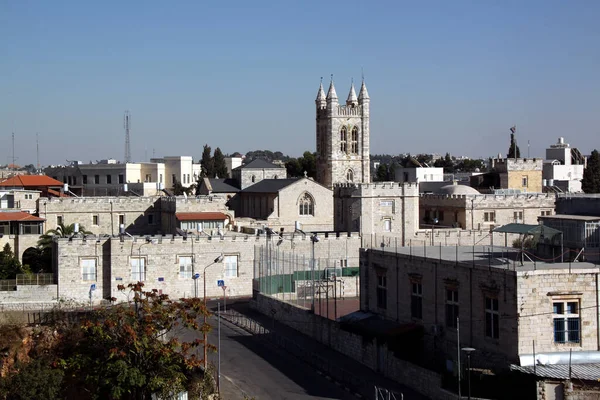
column 525, row 229
column 201, row 216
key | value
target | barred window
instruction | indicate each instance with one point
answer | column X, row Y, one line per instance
column 138, row 269
column 567, row 326
column 451, row 307
column 492, row 318
column 88, row 269
column 185, row 266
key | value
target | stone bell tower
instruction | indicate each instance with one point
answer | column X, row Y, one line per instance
column 343, row 137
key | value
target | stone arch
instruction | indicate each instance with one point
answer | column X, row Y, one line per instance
column 350, row 175
column 306, row 204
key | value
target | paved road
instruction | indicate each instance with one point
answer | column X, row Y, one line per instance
column 249, row 367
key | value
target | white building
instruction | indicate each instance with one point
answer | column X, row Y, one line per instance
column 419, row 174
column 563, row 168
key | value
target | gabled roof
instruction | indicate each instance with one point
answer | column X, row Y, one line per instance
column 270, row 185
column 201, row 216
column 224, row 185
column 31, row 181
column 258, row 163
column 19, row 216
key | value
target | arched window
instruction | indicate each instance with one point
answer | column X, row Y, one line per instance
column 343, row 139
column 350, row 175
column 275, row 177
column 306, row 205
column 354, row 141
column 253, row 178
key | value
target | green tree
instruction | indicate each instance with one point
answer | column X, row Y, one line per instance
column 61, row 231
column 293, row 168
column 207, row 163
column 513, row 150
column 309, row 164
column 219, row 165
column 36, row 379
column 382, row 174
column 132, row 351
column 9, row 264
column 180, row 190
column 591, row 174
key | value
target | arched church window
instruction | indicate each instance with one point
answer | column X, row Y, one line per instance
column 354, row 141
column 306, row 205
column 343, row 139
column 350, row 175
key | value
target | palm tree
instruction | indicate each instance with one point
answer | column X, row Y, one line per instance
column 61, row 231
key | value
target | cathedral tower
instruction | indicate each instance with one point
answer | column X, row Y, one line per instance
column 342, row 137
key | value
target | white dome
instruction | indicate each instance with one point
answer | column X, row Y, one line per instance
column 458, row 190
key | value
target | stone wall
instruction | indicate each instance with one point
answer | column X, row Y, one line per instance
column 388, row 208
column 29, row 294
column 162, row 254
column 368, row 352
column 288, row 201
column 584, row 204
column 249, row 176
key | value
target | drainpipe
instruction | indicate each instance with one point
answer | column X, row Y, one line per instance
column 597, row 313
column 112, row 224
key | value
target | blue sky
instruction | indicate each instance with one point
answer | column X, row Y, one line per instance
column 442, row 75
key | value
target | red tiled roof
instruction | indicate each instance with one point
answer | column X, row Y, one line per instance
column 201, row 216
column 31, row 181
column 56, row 193
column 19, row 216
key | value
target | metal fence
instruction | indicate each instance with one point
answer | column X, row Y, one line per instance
column 298, row 278
column 384, row 394
column 8, row 285
column 35, row 279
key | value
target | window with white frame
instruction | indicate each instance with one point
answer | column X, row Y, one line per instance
column 88, row 269
column 185, row 266
column 306, row 205
column 387, row 225
column 567, row 325
column 492, row 318
column 138, row 269
column 381, row 291
column 489, row 216
column 524, row 181
column 451, row 307
column 416, row 300
column 231, row 266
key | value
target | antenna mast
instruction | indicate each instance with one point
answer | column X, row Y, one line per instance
column 37, row 148
column 127, row 126
column 14, row 167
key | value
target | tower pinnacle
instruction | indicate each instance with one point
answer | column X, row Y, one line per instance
column 352, row 95
column 363, row 95
column 331, row 94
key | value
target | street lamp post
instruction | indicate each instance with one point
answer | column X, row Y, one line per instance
column 217, row 260
column 468, row 350
column 314, row 239
column 435, row 222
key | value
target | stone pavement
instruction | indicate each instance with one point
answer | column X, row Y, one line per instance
column 344, row 371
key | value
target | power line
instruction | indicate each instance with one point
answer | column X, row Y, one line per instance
column 127, row 126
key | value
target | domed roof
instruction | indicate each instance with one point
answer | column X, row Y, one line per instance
column 457, row 190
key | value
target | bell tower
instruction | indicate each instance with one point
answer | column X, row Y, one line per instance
column 342, row 133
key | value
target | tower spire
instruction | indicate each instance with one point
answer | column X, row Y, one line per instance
column 331, row 94
column 364, row 94
column 352, row 95
column 321, row 93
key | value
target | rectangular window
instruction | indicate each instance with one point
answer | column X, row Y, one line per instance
column 109, row 179
column 97, row 179
column 343, row 263
column 59, row 219
column 121, row 219
column 489, row 216
column 74, row 180
column 148, row 178
column 451, row 307
column 95, row 220
column 88, row 269
column 387, row 225
column 231, row 266
column 84, row 178
column 518, row 216
column 416, row 301
column 381, row 291
column 174, row 178
column 185, row 267
column 138, row 269
column 492, row 318
column 160, row 179
column 150, row 219
column 567, row 326
column 121, row 179
column 524, row 181
column 386, row 203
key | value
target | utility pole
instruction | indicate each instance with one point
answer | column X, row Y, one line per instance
column 37, row 149
column 14, row 167
column 127, row 126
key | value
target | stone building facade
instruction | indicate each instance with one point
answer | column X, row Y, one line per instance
column 521, row 174
column 255, row 171
column 502, row 310
column 140, row 215
column 168, row 263
column 383, row 208
column 484, row 211
column 342, row 135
